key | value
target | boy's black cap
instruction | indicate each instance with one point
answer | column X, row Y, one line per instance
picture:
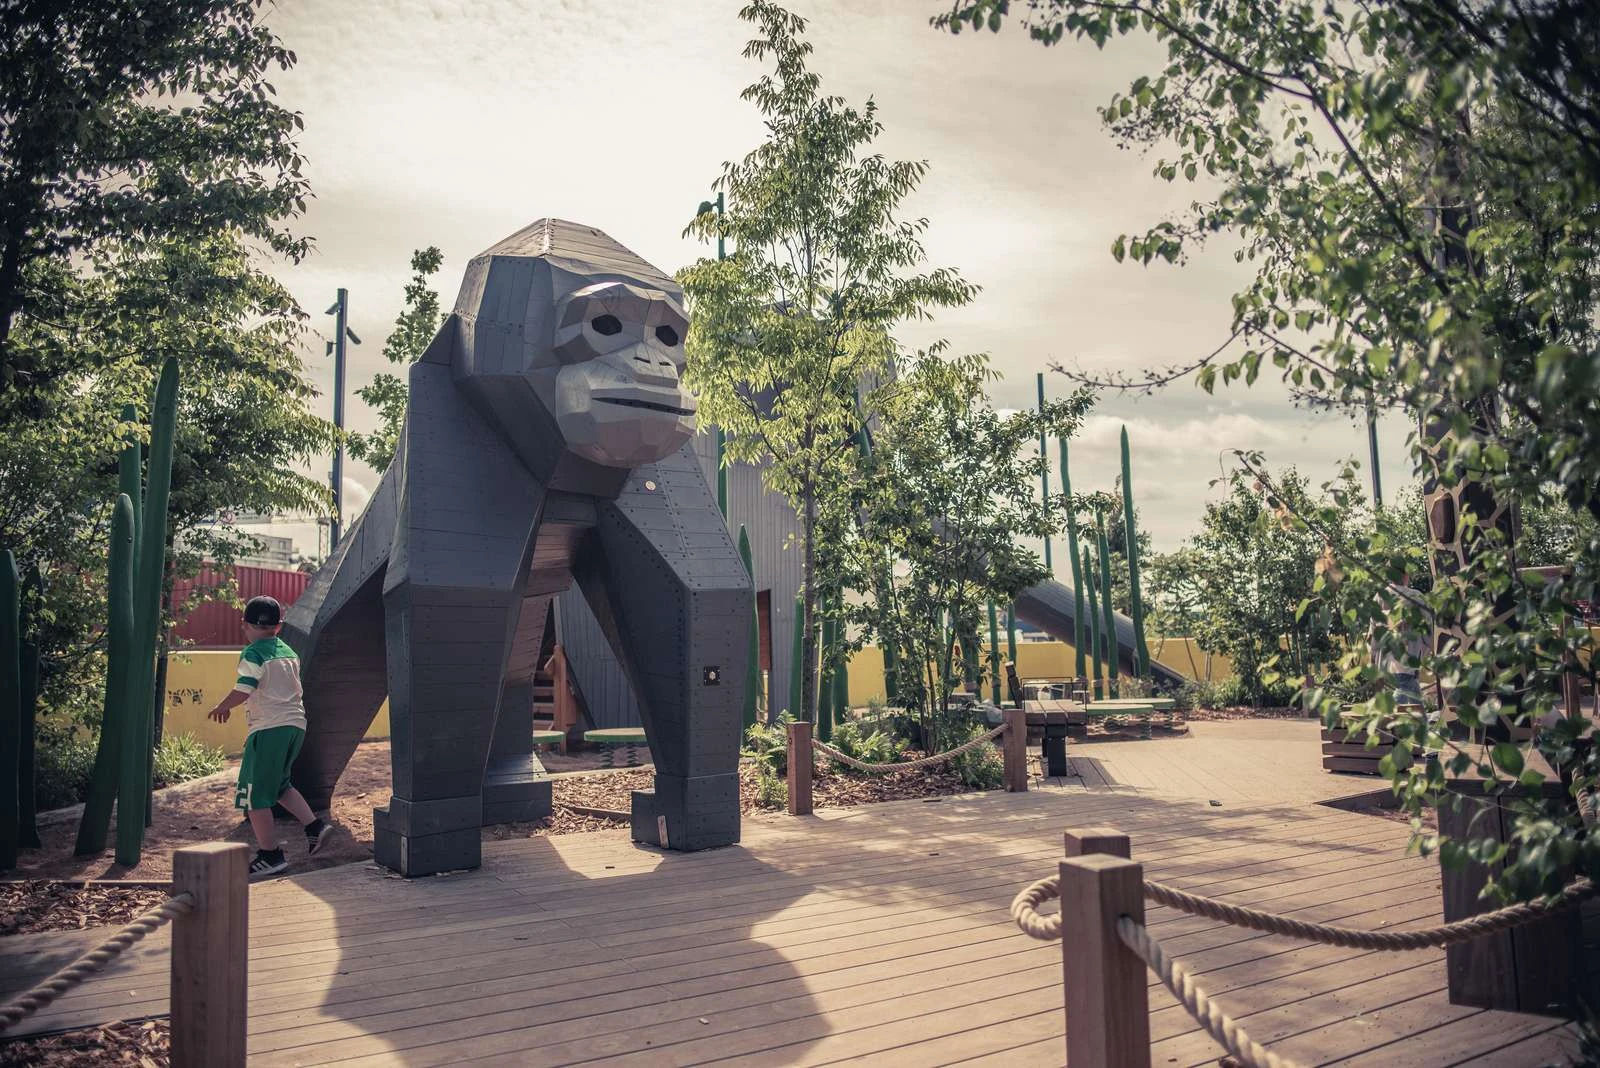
column 263, row 612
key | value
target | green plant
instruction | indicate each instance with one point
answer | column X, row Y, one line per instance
column 981, row 767
column 771, row 792
column 10, row 707
column 858, row 741
column 184, row 757
column 62, row 767
column 768, row 743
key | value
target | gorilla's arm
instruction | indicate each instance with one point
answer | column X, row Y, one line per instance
column 337, row 628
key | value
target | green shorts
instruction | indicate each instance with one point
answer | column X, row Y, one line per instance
column 264, row 771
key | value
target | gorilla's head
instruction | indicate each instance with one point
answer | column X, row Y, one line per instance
column 559, row 323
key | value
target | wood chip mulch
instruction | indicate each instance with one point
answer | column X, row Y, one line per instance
column 1244, row 712
column 143, row 1044
column 41, row 905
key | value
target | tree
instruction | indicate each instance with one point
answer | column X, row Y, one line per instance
column 945, row 493
column 126, row 122
column 1416, row 185
column 1236, row 587
column 790, row 345
column 413, row 330
column 147, row 178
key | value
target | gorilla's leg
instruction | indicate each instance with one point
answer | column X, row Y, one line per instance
column 673, row 598
column 463, row 542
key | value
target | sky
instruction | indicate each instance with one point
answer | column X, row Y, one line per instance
column 431, row 122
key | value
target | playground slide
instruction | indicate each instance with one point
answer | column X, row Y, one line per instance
column 1052, row 608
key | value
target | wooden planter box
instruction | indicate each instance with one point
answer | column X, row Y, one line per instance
column 1535, row 968
column 1347, row 752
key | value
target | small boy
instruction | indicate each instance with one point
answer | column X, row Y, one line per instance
column 269, row 679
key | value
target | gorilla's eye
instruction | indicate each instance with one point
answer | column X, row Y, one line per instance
column 667, row 336
column 606, row 324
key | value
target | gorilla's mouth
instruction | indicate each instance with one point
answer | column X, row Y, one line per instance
column 650, row 406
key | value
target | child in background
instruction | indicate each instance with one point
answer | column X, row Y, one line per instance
column 269, row 680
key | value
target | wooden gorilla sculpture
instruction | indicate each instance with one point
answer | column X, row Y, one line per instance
column 545, row 442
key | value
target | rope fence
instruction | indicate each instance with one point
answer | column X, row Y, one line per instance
column 922, row 762
column 20, row 1008
column 804, row 749
column 1105, row 899
column 209, row 914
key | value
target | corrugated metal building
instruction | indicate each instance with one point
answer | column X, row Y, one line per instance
column 774, row 533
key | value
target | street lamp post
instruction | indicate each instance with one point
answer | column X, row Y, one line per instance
column 722, row 441
column 341, row 313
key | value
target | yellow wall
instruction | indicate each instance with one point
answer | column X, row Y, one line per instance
column 196, row 681
column 1045, row 660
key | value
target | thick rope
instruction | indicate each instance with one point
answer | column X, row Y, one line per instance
column 1448, row 934
column 19, row 1009
column 1176, row 978
column 861, row 765
column 1025, row 912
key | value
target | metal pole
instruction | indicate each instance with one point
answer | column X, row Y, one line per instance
column 1044, row 474
column 1372, row 452
column 342, row 312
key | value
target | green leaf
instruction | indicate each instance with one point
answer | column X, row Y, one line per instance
column 1508, row 757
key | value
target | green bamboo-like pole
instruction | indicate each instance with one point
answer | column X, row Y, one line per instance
column 1106, row 607
column 1011, row 634
column 752, row 665
column 103, row 781
column 1077, row 567
column 841, row 677
column 1141, row 651
column 28, row 688
column 149, row 568
column 10, row 707
column 120, row 639
column 825, row 682
column 797, row 654
column 994, row 656
column 1094, row 621
column 1044, row 473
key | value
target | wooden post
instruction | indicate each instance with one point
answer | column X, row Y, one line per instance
column 210, row 948
column 1087, row 841
column 1108, row 1008
column 800, row 768
column 1016, row 750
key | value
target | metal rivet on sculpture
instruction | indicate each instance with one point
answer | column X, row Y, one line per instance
column 546, row 443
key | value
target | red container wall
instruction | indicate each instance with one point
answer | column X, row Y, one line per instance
column 215, row 623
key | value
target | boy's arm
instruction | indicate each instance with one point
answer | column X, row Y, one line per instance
column 243, row 687
column 226, row 706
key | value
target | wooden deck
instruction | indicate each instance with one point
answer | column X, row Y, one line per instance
column 877, row 934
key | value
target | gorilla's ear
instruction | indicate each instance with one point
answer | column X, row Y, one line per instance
column 443, row 346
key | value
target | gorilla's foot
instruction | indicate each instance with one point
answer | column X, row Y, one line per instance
column 428, row 837
column 688, row 813
column 515, row 788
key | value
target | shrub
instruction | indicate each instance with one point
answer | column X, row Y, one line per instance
column 768, row 744
column 770, row 790
column 873, row 746
column 62, row 766
column 981, row 767
column 182, row 757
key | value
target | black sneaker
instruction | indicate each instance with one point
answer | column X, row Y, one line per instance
column 317, row 832
column 267, row 863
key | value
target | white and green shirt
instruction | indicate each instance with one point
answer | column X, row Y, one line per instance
column 269, row 671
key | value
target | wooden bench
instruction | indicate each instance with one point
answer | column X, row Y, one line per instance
column 613, row 737
column 1049, row 722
